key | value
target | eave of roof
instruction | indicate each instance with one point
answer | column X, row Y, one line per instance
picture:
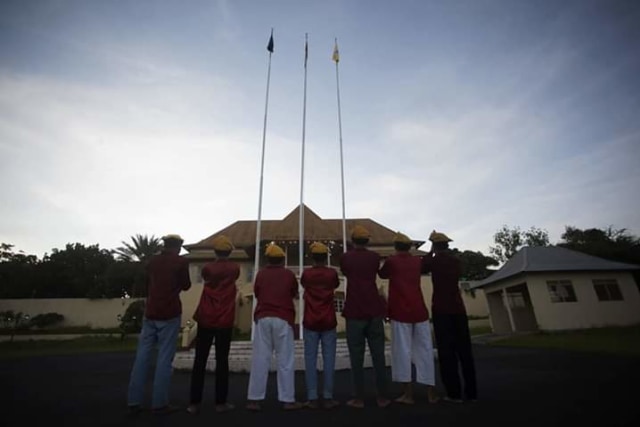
column 552, row 259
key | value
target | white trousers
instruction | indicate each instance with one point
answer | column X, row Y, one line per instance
column 411, row 342
column 272, row 334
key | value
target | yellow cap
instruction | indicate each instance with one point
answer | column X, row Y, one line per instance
column 436, row 237
column 359, row 232
column 274, row 251
column 172, row 237
column 319, row 248
column 401, row 238
column 222, row 243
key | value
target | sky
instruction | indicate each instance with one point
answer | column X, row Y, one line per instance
column 146, row 117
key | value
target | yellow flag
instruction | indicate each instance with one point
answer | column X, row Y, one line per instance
column 336, row 54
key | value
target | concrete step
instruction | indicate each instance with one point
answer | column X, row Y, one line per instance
column 240, row 357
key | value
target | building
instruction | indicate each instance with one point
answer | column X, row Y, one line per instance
column 553, row 288
column 285, row 232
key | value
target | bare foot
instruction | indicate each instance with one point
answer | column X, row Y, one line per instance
column 193, row 409
column 224, row 407
column 356, row 403
column 432, row 396
column 329, row 404
column 291, row 406
column 253, row 406
column 383, row 402
column 405, row 400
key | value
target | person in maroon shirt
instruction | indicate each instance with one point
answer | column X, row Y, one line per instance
column 275, row 288
column 364, row 311
column 319, row 283
column 450, row 323
column 215, row 315
column 411, row 332
column 167, row 276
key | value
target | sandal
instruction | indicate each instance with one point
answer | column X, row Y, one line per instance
column 224, row 407
column 329, row 404
column 355, row 403
column 253, row 406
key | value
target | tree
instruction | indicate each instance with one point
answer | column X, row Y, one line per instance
column 610, row 243
column 141, row 248
column 509, row 240
column 139, row 251
column 73, row 271
column 475, row 265
column 18, row 273
column 5, row 252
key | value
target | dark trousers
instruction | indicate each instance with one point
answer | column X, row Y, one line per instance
column 204, row 339
column 454, row 345
column 372, row 331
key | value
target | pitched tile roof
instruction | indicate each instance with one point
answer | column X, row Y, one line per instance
column 243, row 233
column 552, row 258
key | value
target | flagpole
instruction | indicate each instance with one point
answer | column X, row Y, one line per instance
column 336, row 59
column 256, row 265
column 301, row 244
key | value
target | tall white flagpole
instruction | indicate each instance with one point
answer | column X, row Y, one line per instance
column 301, row 244
column 256, row 265
column 336, row 59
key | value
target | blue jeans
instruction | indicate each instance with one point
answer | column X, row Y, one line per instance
column 164, row 334
column 311, row 339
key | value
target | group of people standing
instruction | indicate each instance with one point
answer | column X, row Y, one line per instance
column 276, row 288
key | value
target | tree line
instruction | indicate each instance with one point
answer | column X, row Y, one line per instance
column 77, row 271
column 80, row 271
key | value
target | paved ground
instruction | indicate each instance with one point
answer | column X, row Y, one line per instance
column 517, row 388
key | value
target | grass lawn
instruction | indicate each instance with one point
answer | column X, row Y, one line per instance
column 89, row 344
column 480, row 330
column 612, row 340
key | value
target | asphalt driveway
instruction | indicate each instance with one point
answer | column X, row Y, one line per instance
column 517, row 387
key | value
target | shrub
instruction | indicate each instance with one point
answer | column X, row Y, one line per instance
column 47, row 319
column 131, row 322
column 11, row 320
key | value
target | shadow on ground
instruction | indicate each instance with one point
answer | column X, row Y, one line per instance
column 518, row 387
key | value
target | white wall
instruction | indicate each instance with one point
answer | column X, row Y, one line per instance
column 95, row 313
column 587, row 311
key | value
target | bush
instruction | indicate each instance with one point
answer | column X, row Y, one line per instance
column 47, row 319
column 131, row 322
column 11, row 320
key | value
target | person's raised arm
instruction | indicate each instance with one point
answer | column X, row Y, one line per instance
column 385, row 271
column 183, row 279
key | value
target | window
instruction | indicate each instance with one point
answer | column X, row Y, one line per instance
column 561, row 291
column 339, row 303
column 607, row 290
column 516, row 300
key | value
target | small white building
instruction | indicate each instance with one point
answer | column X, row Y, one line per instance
column 553, row 288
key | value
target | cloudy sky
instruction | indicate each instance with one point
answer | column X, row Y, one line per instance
column 123, row 117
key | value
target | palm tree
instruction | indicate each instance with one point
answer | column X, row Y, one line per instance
column 141, row 248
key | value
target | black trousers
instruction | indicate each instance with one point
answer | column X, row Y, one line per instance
column 204, row 339
column 454, row 345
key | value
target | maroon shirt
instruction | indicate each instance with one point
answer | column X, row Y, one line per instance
column 274, row 289
column 167, row 276
column 405, row 301
column 360, row 267
column 217, row 307
column 319, row 282
column 445, row 273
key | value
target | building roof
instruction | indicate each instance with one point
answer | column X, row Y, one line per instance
column 552, row 258
column 243, row 233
